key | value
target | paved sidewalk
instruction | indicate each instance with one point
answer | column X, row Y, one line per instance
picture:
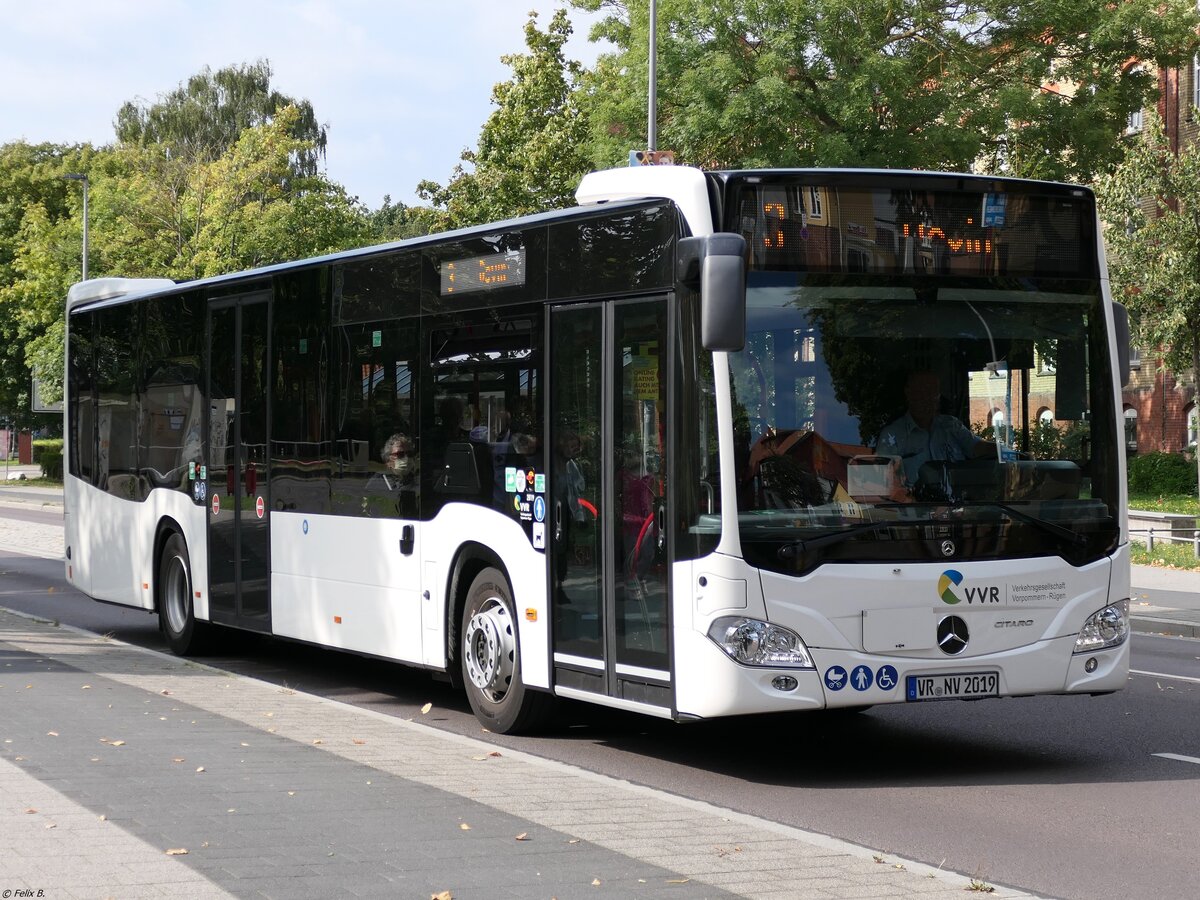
column 116, row 760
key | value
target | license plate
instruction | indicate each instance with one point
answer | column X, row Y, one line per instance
column 955, row 686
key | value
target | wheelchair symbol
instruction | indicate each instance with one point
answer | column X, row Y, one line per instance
column 886, row 677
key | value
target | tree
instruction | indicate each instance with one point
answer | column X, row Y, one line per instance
column 40, row 247
column 532, row 149
column 1036, row 89
column 203, row 117
column 1151, row 206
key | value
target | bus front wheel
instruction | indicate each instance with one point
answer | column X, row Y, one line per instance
column 491, row 659
column 176, row 615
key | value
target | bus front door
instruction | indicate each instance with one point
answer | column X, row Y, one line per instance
column 236, row 456
column 609, row 425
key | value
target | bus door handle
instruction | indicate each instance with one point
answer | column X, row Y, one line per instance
column 408, row 535
column 558, row 520
column 660, row 526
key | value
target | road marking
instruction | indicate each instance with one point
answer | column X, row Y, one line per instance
column 1191, row 759
column 1164, row 675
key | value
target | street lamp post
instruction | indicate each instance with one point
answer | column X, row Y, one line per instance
column 76, row 176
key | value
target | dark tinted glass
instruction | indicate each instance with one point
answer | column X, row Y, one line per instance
column 375, row 461
column 117, row 412
column 932, row 226
column 497, row 270
column 302, row 428
column 81, row 409
column 481, row 427
column 384, row 287
column 172, row 405
column 626, row 252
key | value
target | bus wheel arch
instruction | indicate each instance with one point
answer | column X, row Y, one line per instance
column 469, row 561
column 487, row 650
column 173, row 591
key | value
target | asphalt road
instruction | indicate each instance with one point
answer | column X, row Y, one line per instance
column 1062, row 796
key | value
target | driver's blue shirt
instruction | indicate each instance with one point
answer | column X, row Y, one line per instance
column 946, row 439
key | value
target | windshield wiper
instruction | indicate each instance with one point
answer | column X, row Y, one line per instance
column 1059, row 531
column 794, row 549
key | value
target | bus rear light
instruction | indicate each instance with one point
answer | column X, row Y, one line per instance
column 753, row 642
column 1108, row 627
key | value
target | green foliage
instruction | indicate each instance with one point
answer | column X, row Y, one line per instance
column 203, row 119
column 1161, row 473
column 1167, row 503
column 895, row 83
column 48, row 453
column 531, row 151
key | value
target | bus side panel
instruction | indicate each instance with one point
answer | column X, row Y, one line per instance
column 78, row 563
column 459, row 523
column 342, row 581
column 192, row 520
column 109, row 542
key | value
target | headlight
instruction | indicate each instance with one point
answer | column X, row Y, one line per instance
column 1107, row 628
column 755, row 643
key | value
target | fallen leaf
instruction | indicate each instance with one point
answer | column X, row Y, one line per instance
column 357, row 741
column 495, row 753
column 200, row 768
column 178, row 759
column 573, row 841
column 103, row 818
column 177, row 851
column 165, row 693
column 86, row 687
column 291, row 793
column 51, row 734
column 442, row 895
column 424, row 709
column 318, row 741
column 523, row 836
column 479, row 758
column 51, row 825
column 31, row 810
column 595, row 882
column 244, row 744
column 678, row 880
column 118, row 743
column 463, row 826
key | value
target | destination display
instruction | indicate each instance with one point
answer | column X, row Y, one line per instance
column 473, row 274
column 838, row 229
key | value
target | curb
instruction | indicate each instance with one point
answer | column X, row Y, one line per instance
column 1164, row 627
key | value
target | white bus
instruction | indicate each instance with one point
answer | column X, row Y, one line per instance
column 706, row 444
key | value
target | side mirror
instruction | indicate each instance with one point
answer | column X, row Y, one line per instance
column 1121, row 323
column 716, row 264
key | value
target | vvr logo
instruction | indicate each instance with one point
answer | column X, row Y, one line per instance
column 951, row 579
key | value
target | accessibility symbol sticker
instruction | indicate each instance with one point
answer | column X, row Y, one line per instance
column 539, row 509
column 861, row 678
column 887, row 678
column 835, row 678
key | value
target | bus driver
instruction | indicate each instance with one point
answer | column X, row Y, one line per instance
column 923, row 434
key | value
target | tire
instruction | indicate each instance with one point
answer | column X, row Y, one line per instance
column 491, row 660
column 176, row 616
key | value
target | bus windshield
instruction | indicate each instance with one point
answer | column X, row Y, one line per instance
column 891, row 407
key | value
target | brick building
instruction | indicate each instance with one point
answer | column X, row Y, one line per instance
column 1160, row 407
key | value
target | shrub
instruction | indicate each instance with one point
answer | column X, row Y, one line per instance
column 48, row 454
column 1161, row 473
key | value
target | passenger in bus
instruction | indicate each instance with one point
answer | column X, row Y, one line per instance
column 924, row 433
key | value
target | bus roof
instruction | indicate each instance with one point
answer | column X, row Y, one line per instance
column 111, row 291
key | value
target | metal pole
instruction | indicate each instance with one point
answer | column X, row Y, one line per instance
column 75, row 176
column 652, row 125
column 85, row 227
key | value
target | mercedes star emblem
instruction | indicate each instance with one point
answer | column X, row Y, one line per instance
column 952, row 635
column 948, row 548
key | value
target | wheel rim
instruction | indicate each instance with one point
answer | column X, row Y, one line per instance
column 176, row 597
column 491, row 649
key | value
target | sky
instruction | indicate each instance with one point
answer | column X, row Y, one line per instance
column 404, row 86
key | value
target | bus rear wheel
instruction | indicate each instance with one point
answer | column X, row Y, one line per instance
column 176, row 615
column 491, row 660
